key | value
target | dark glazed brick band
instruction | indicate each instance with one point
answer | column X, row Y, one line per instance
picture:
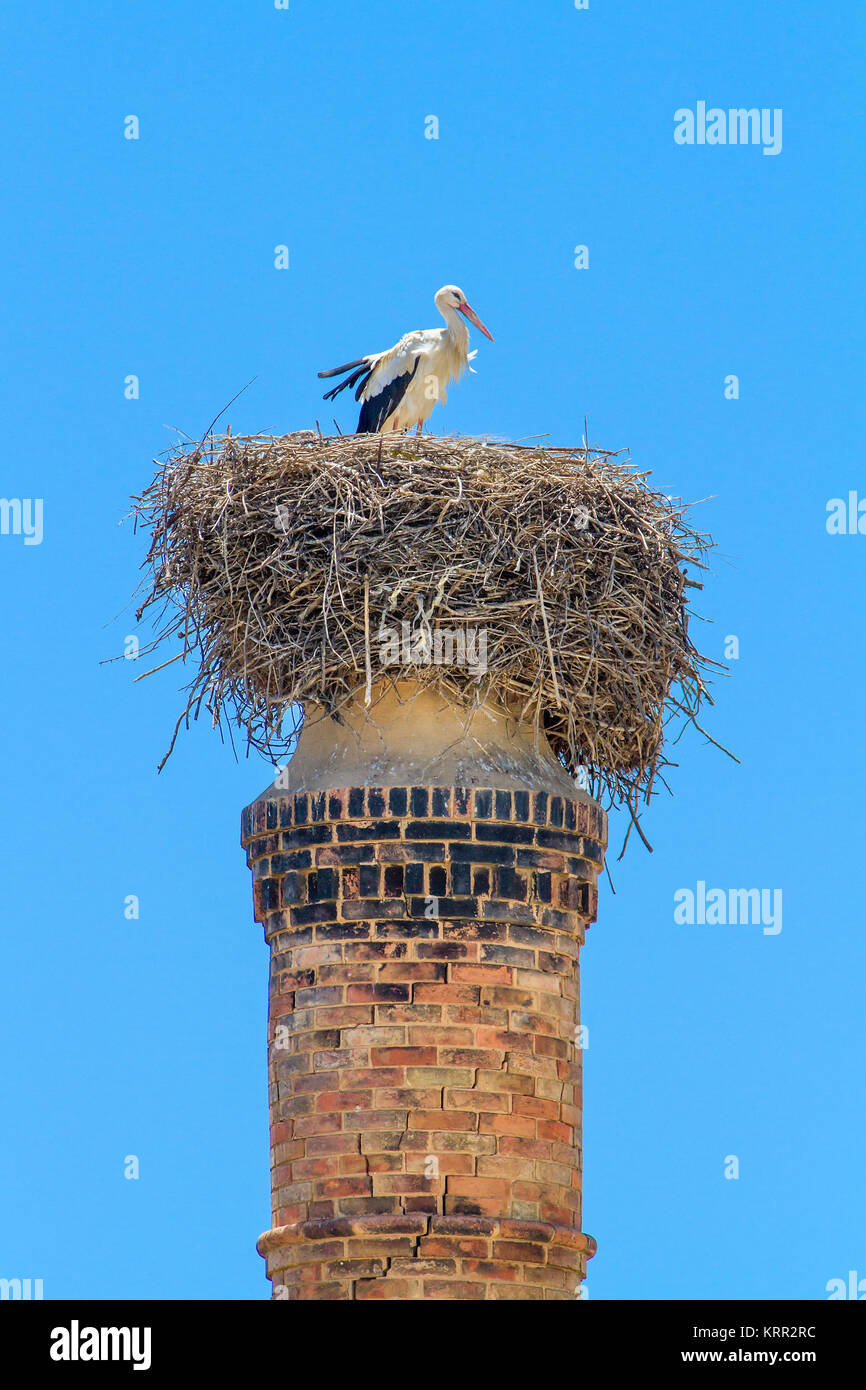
column 425, row 1072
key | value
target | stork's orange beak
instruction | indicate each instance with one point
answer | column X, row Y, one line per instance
column 470, row 313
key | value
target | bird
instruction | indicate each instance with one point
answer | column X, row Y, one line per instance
column 399, row 388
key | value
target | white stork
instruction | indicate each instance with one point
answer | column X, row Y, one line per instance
column 399, row 388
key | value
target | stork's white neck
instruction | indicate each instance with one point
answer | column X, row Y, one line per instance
column 456, row 323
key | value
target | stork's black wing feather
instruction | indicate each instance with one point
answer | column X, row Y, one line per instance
column 347, row 367
column 375, row 411
column 363, row 371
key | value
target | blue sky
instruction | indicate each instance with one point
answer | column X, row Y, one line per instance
column 155, row 257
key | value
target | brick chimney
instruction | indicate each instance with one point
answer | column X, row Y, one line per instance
column 424, row 880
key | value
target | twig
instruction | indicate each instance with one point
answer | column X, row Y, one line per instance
column 368, row 686
column 547, row 636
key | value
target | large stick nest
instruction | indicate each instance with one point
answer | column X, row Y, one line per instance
column 279, row 562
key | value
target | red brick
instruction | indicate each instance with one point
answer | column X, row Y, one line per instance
column 491, row 1269
column 453, row 1246
column 554, row 1129
column 374, row 1076
column 453, row 1288
column 477, row 1187
column 384, row 1163
column 441, row 1036
column 477, row 1100
column 411, row 970
column 462, row 1163
column 508, row 1124
column 357, row 1163
column 317, row 1124
column 524, row 1148
column 532, row 1105
column 343, row 1017
column 344, row 1100
column 469, row 1057
column 440, row 1119
column 398, row 1097
column 472, row 1206
column 345, row 1187
column 403, row 1056
column 480, row 974
column 521, row 1250
column 378, row 994
column 446, row 994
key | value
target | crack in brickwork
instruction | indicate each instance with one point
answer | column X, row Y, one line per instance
column 424, row 1071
